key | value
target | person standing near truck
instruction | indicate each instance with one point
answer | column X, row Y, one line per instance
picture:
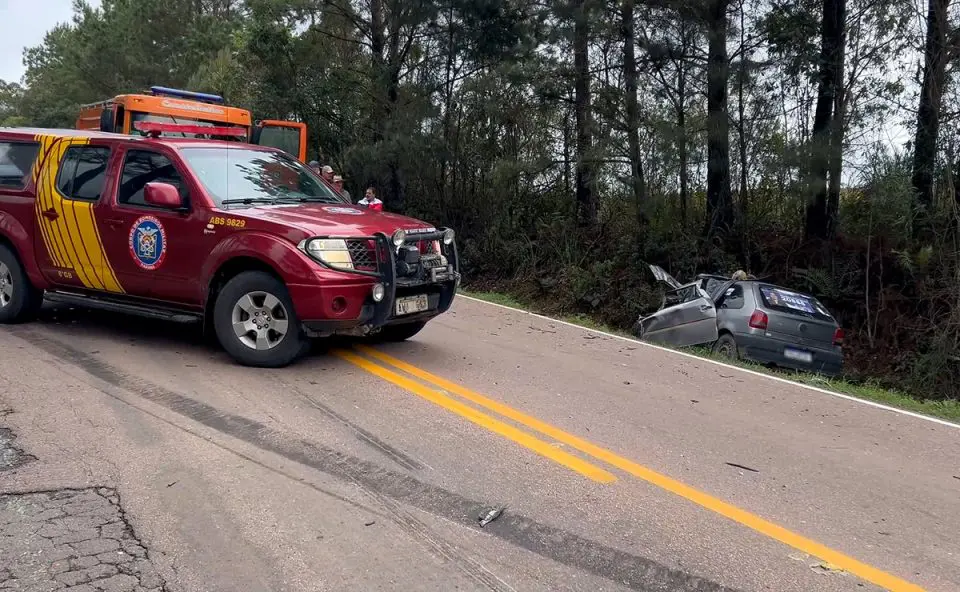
column 370, row 200
column 338, row 185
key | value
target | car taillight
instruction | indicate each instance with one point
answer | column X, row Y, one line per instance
column 838, row 336
column 758, row 320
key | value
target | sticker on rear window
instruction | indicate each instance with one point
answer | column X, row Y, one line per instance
column 792, row 300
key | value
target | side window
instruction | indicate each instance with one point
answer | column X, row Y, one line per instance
column 141, row 167
column 83, row 172
column 733, row 297
column 16, row 162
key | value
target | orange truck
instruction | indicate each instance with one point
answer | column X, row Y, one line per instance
column 178, row 113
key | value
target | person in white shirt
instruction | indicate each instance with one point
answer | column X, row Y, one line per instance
column 370, row 200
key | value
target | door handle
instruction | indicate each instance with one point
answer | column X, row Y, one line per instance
column 51, row 214
column 114, row 222
column 704, row 307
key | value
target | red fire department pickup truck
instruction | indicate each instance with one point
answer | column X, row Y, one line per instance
column 245, row 238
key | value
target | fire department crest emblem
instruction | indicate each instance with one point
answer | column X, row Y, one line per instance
column 148, row 242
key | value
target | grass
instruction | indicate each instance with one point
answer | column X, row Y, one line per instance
column 949, row 409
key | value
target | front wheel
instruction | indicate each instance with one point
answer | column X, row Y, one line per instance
column 255, row 321
column 19, row 300
column 402, row 332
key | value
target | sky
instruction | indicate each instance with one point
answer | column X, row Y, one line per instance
column 23, row 23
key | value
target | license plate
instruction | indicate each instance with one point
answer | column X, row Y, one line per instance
column 411, row 304
column 798, row 355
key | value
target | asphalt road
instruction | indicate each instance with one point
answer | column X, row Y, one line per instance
column 621, row 466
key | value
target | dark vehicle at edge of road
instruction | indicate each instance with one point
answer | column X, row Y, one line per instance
column 242, row 237
column 746, row 319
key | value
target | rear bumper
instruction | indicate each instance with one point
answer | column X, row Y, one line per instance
column 765, row 350
column 348, row 307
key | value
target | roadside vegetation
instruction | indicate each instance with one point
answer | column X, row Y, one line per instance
column 572, row 142
column 868, row 390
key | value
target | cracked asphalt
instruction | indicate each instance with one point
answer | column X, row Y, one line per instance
column 135, row 456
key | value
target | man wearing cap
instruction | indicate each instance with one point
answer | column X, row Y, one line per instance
column 327, row 173
column 314, row 166
column 338, row 185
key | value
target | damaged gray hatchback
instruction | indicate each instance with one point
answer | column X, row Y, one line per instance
column 746, row 319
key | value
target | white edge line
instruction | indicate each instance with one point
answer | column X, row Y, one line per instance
column 936, row 420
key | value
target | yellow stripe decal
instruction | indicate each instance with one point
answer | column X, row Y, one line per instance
column 73, row 239
column 91, row 237
column 752, row 521
column 38, row 181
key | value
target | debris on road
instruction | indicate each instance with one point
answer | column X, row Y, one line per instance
column 739, row 466
column 490, row 516
column 370, row 523
column 826, row 568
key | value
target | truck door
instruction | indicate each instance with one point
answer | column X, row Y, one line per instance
column 70, row 183
column 156, row 252
column 289, row 136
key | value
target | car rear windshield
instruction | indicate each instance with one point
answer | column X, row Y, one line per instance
column 793, row 302
column 256, row 177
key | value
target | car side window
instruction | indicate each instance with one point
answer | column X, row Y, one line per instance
column 83, row 172
column 733, row 298
column 16, row 162
column 141, row 167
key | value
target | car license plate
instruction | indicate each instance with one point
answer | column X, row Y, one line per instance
column 411, row 304
column 798, row 355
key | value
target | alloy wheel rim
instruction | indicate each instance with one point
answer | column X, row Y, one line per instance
column 6, row 285
column 260, row 321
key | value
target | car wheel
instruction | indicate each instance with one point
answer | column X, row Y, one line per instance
column 393, row 333
column 255, row 321
column 726, row 346
column 19, row 299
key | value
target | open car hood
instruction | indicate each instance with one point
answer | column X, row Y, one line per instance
column 663, row 276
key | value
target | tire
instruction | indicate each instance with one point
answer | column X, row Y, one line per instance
column 19, row 299
column 726, row 346
column 260, row 303
column 396, row 333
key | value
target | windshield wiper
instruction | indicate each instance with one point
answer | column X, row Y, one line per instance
column 258, row 200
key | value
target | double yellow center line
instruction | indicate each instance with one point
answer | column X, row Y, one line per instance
column 592, row 471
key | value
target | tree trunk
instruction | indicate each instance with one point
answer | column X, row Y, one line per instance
column 741, row 121
column 931, row 97
column 633, row 114
column 829, row 79
column 378, row 43
column 586, row 198
column 719, row 197
column 682, row 149
column 836, row 160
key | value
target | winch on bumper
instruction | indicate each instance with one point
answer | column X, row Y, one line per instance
column 409, row 285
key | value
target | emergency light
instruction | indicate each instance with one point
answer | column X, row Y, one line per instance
column 185, row 94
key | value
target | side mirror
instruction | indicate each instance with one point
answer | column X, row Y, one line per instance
column 106, row 119
column 162, row 195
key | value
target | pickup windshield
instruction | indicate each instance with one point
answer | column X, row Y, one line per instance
column 238, row 176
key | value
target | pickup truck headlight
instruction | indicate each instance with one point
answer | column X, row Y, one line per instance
column 332, row 251
column 399, row 237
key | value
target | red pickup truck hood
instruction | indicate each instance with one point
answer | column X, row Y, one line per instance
column 316, row 219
